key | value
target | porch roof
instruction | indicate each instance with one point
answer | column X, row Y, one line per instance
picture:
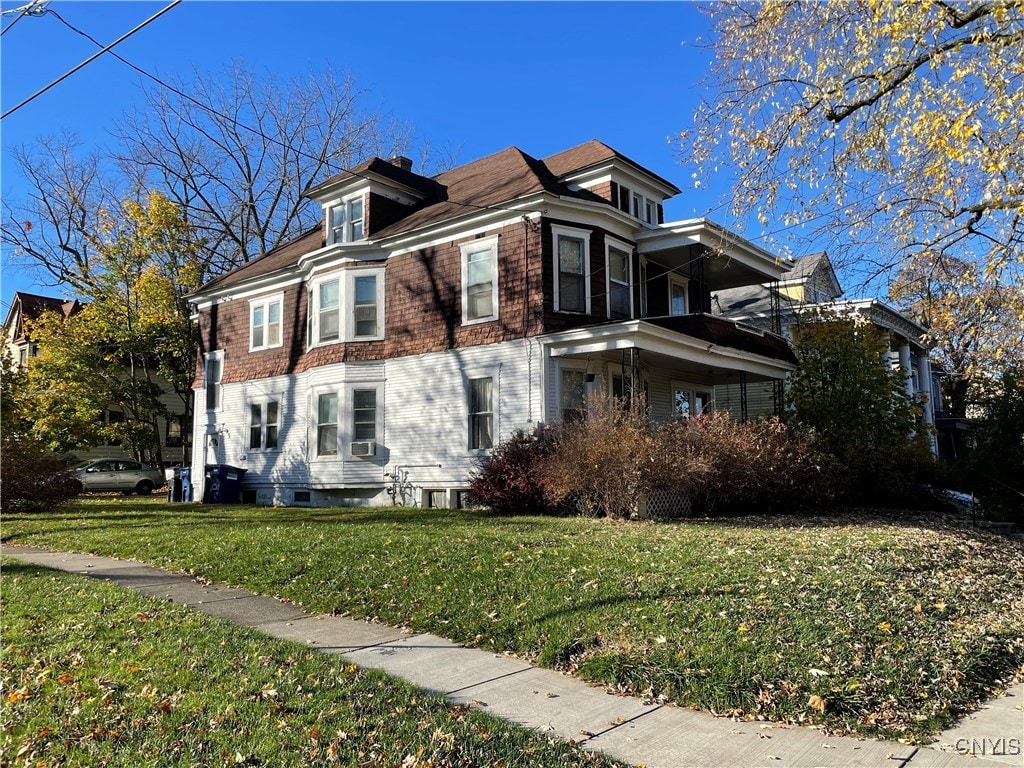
column 692, row 340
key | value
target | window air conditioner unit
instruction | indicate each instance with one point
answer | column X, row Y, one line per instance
column 367, row 448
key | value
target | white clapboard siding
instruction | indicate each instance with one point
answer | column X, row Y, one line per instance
column 423, row 424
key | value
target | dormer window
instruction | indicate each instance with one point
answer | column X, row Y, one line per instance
column 345, row 221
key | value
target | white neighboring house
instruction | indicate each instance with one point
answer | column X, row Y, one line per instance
column 812, row 288
column 380, row 355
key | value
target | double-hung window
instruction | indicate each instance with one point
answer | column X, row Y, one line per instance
column 481, row 413
column 364, row 414
column 620, row 290
column 329, row 311
column 212, row 376
column 345, row 221
column 265, row 323
column 677, row 303
column 327, row 424
column 572, row 269
column 263, row 425
column 365, row 306
column 480, row 280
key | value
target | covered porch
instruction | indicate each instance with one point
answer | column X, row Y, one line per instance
column 674, row 363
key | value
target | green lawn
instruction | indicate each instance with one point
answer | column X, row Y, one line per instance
column 97, row 675
column 876, row 625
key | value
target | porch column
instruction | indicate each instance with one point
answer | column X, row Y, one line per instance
column 908, row 374
column 925, row 373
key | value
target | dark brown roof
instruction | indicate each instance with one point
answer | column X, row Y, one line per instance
column 284, row 256
column 592, row 153
column 490, row 182
column 383, row 168
column 31, row 306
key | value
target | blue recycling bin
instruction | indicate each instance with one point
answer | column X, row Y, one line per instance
column 223, row 484
column 185, row 474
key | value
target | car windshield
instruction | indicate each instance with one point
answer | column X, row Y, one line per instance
column 82, row 464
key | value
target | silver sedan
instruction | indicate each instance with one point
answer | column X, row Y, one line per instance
column 122, row 475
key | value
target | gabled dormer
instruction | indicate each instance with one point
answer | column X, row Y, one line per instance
column 811, row 281
column 624, row 184
column 374, row 194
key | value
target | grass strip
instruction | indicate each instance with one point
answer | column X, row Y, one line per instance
column 878, row 624
column 94, row 674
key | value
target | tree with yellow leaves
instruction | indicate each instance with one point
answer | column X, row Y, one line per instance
column 895, row 128
column 973, row 321
column 132, row 345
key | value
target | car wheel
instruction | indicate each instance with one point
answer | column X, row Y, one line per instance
column 144, row 488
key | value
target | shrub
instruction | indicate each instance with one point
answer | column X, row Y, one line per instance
column 509, row 481
column 750, row 466
column 860, row 408
column 603, row 464
column 32, row 478
column 995, row 465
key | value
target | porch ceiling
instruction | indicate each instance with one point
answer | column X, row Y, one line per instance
column 732, row 261
column 700, row 343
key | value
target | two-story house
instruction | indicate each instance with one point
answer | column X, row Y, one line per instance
column 811, row 289
column 427, row 319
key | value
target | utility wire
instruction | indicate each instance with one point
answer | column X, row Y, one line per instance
column 95, row 56
column 25, row 9
column 243, row 126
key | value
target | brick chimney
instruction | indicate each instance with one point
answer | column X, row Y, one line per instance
column 402, row 162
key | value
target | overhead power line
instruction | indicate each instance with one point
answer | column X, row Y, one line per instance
column 34, row 8
column 236, row 122
column 92, row 58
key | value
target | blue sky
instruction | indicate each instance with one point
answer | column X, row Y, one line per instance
column 471, row 78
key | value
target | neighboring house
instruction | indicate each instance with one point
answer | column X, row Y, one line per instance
column 810, row 289
column 427, row 319
column 27, row 307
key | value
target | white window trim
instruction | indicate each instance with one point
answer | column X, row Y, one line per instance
column 589, row 388
column 674, row 280
column 262, row 403
column 314, row 422
column 346, row 235
column 558, row 231
column 610, row 243
column 494, row 374
column 345, row 425
column 691, row 391
column 265, row 303
column 348, row 330
column 346, row 417
column 219, row 356
column 346, row 306
column 465, row 250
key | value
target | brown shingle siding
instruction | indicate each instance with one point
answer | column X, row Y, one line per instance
column 422, row 312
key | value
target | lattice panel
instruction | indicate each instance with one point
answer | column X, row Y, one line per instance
column 662, row 503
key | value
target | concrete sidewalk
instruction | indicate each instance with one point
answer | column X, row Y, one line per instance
column 622, row 727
